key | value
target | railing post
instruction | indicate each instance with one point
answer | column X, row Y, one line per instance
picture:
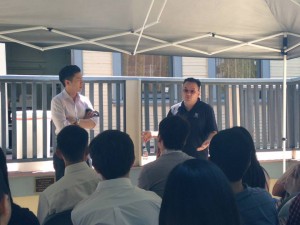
column 133, row 116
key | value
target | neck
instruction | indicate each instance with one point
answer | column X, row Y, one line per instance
column 188, row 107
column 72, row 94
column 237, row 187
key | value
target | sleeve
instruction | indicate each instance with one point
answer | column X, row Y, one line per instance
column 211, row 124
column 58, row 115
column 43, row 208
column 169, row 113
column 90, row 106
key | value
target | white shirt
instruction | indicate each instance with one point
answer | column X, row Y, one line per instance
column 118, row 202
column 79, row 182
column 63, row 107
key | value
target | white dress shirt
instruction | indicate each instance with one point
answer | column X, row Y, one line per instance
column 118, row 202
column 64, row 107
column 79, row 182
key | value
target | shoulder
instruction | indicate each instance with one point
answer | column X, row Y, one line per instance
column 257, row 194
column 203, row 105
column 147, row 195
column 22, row 216
column 175, row 108
column 57, row 97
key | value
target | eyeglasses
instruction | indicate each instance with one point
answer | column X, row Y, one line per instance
column 186, row 91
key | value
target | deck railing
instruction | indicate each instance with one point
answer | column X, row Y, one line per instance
column 135, row 104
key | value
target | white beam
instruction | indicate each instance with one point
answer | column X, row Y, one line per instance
column 144, row 24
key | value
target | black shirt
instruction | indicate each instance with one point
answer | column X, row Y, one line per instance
column 22, row 216
column 202, row 122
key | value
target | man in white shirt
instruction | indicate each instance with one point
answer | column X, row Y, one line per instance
column 116, row 201
column 79, row 180
column 70, row 107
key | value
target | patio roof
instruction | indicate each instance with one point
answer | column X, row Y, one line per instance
column 262, row 29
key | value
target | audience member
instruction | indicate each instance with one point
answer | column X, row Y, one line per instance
column 79, row 180
column 5, row 205
column 197, row 192
column 116, row 200
column 231, row 150
column 172, row 135
column 288, row 185
column 256, row 175
column 18, row 215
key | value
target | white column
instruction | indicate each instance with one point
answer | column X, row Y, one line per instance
column 133, row 116
column 3, row 72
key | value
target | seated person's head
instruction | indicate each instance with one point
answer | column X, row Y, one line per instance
column 72, row 143
column 231, row 150
column 197, row 192
column 5, row 204
column 112, row 154
column 173, row 132
column 292, row 182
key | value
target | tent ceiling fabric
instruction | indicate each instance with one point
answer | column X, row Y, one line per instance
column 201, row 28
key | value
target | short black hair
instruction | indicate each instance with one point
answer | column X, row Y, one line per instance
column 231, row 150
column 198, row 192
column 68, row 72
column 72, row 141
column 173, row 130
column 112, row 154
column 193, row 80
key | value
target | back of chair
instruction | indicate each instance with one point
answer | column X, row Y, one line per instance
column 62, row 218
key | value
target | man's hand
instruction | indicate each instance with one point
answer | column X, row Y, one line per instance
column 89, row 114
column 204, row 145
column 146, row 136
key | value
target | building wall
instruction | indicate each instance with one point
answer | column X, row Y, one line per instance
column 293, row 68
column 194, row 67
column 98, row 64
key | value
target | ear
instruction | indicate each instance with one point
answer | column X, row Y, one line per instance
column 5, row 207
column 59, row 154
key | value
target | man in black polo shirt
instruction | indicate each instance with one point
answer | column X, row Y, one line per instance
column 200, row 116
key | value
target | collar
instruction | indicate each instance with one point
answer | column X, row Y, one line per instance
column 74, row 168
column 170, row 151
column 182, row 106
column 67, row 96
column 114, row 183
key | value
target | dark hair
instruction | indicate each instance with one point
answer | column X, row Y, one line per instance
column 67, row 73
column 72, row 141
column 197, row 192
column 112, row 154
column 173, row 130
column 255, row 175
column 231, row 150
column 193, row 80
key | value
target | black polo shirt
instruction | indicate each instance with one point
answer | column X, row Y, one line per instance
column 202, row 122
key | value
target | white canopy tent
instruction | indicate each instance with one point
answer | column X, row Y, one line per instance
column 260, row 29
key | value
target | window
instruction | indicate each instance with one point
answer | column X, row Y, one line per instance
column 238, row 68
column 146, row 65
